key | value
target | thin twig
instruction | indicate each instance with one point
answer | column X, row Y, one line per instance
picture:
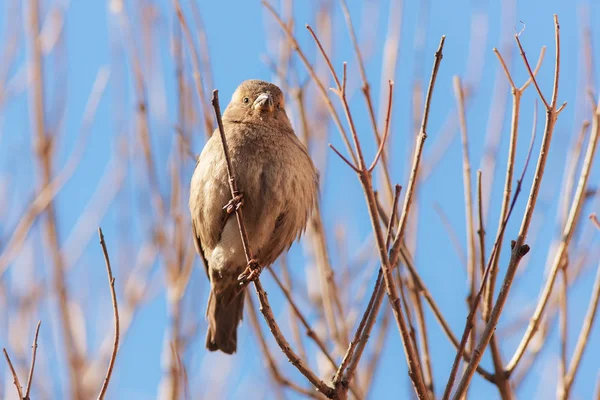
column 44, row 140
column 366, row 90
column 563, row 321
column 468, row 198
column 348, row 162
column 395, row 251
column 350, row 360
column 111, row 282
column 32, row 366
column 424, row 291
column 309, row 331
column 586, row 329
column 481, row 229
column 14, row 374
column 208, row 126
column 386, row 130
column 313, row 75
column 269, row 359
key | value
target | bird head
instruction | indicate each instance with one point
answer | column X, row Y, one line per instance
column 256, row 101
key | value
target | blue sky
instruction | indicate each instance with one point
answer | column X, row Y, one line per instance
column 237, row 38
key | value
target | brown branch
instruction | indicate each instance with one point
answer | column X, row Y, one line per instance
column 567, row 234
column 443, row 216
column 468, row 198
column 359, row 341
column 501, row 381
column 44, row 141
column 395, row 251
column 315, row 232
column 377, row 353
column 586, row 329
column 411, row 354
column 14, row 374
column 423, row 339
column 414, row 369
column 514, row 131
column 265, row 307
column 181, row 370
column 325, row 56
column 424, row 291
column 477, row 353
column 481, row 229
column 563, row 321
column 269, row 359
column 519, row 249
column 293, row 319
column 309, row 331
column 531, row 74
column 366, row 90
column 32, row 366
column 313, row 75
column 386, row 130
column 348, row 162
column 47, row 194
column 111, row 282
column 595, row 221
column 196, row 69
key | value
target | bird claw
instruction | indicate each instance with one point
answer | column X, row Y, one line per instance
column 251, row 273
column 235, row 203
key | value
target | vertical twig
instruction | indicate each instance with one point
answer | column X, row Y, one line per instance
column 468, row 195
column 563, row 321
column 32, row 366
column 111, row 282
column 208, row 127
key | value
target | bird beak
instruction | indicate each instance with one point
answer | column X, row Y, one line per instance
column 264, row 102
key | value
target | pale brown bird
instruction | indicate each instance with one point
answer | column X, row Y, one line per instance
column 279, row 185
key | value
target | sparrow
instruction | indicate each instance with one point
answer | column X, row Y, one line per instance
column 279, row 187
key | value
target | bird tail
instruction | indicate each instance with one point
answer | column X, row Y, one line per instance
column 224, row 313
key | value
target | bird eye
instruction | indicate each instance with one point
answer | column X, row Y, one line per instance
column 246, row 99
column 278, row 106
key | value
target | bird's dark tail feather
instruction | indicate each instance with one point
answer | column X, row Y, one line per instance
column 224, row 313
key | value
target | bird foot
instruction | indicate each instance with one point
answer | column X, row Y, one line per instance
column 252, row 272
column 235, row 203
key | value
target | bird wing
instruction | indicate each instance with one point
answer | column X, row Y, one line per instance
column 209, row 192
column 198, row 247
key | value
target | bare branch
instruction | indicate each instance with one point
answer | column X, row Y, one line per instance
column 14, row 374
column 32, row 366
column 111, row 282
column 386, row 130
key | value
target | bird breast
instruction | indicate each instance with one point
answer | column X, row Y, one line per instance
column 279, row 185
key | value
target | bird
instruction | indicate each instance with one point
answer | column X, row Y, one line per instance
column 278, row 182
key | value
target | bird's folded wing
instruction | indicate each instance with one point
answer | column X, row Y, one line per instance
column 198, row 246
